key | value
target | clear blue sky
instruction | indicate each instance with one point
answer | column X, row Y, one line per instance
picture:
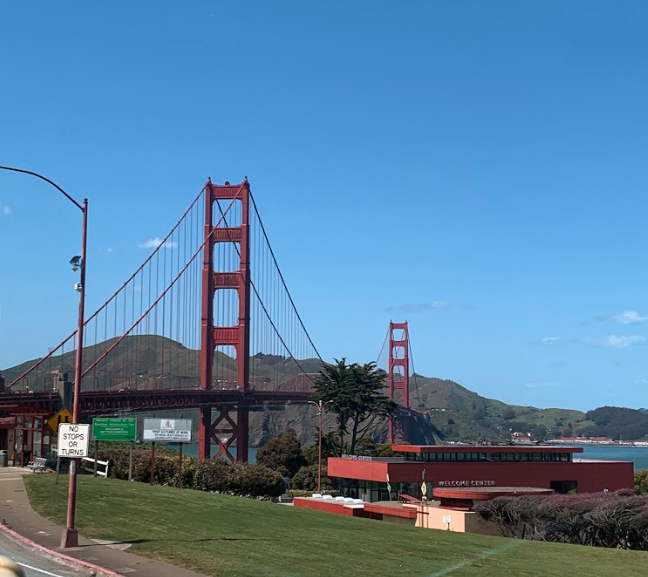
column 478, row 168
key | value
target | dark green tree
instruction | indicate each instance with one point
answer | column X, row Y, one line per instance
column 330, row 448
column 354, row 393
column 366, row 446
column 539, row 433
column 306, row 479
column 282, row 454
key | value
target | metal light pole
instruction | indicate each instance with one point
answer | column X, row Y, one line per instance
column 70, row 537
column 320, row 409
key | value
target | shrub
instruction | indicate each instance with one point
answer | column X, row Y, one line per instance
column 618, row 520
column 306, row 479
column 209, row 475
column 641, row 481
column 301, row 493
column 282, row 454
column 212, row 475
column 256, row 481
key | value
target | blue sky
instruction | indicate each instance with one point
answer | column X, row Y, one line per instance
column 477, row 168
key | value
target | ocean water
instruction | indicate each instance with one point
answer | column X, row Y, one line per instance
column 638, row 455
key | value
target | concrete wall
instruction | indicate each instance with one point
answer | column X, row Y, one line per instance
column 460, row 521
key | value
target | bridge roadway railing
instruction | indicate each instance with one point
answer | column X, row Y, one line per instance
column 105, row 402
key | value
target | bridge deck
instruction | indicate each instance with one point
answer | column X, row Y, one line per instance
column 102, row 402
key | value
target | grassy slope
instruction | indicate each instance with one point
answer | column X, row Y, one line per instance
column 234, row 537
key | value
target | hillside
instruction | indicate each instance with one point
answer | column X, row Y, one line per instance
column 463, row 415
column 453, row 412
column 618, row 423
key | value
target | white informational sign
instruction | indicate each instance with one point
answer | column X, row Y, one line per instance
column 73, row 440
column 167, row 430
column 447, row 519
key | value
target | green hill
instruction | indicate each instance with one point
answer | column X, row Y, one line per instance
column 463, row 415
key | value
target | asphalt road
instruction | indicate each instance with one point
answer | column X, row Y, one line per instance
column 33, row 563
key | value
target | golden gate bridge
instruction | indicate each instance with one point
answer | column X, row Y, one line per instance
column 206, row 322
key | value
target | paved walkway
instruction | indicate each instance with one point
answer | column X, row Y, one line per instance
column 16, row 514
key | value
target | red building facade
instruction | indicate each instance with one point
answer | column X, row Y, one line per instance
column 556, row 468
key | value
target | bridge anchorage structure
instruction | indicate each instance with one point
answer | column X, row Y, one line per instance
column 206, row 322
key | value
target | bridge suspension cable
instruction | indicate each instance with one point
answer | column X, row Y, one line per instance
column 278, row 336
column 147, row 335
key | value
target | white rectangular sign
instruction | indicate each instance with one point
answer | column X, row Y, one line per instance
column 167, row 430
column 73, row 440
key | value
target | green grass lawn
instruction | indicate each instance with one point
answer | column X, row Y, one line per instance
column 235, row 537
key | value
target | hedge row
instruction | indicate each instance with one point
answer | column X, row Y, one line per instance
column 302, row 493
column 217, row 475
column 616, row 520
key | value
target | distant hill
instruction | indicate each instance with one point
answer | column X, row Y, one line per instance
column 462, row 414
column 452, row 412
column 617, row 423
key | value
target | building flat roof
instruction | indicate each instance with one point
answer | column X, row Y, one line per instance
column 466, row 490
column 489, row 449
column 458, row 494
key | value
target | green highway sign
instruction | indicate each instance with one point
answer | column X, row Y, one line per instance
column 114, row 429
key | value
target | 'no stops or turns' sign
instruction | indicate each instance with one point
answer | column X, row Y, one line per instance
column 73, row 440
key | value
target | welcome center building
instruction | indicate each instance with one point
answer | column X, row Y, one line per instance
column 475, row 471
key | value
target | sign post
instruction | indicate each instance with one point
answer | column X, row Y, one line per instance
column 152, row 463
column 130, row 462
column 447, row 519
column 167, row 431
column 180, row 468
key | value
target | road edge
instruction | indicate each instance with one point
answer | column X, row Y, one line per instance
column 59, row 557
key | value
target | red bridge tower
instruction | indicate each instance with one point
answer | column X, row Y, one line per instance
column 230, row 421
column 398, row 371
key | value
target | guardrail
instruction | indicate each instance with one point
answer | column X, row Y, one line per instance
column 94, row 469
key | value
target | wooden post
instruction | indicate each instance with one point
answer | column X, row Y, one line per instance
column 153, row 463
column 96, row 457
column 130, row 463
column 31, row 445
column 180, row 469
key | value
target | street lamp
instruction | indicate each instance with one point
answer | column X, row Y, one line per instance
column 70, row 537
column 320, row 409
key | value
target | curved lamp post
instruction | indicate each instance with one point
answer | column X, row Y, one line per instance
column 70, row 536
column 320, row 409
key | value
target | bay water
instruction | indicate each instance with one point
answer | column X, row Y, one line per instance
column 638, row 455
